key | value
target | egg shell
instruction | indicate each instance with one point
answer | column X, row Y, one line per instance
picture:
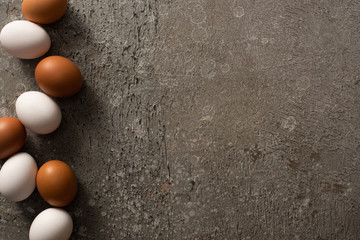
column 12, row 136
column 24, row 39
column 56, row 183
column 58, row 76
column 51, row 224
column 38, row 112
column 17, row 177
column 43, row 11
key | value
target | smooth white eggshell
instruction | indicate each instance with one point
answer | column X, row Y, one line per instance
column 18, row 177
column 38, row 112
column 24, row 39
column 52, row 223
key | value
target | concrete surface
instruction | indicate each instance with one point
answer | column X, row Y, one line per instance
column 202, row 119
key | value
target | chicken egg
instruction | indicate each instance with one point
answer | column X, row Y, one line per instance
column 52, row 223
column 24, row 39
column 56, row 183
column 12, row 136
column 43, row 11
column 58, row 76
column 17, row 177
column 38, row 112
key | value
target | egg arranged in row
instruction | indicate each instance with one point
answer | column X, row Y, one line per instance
column 24, row 39
column 43, row 11
column 55, row 180
column 55, row 75
column 52, row 223
column 58, row 77
column 56, row 183
column 12, row 136
column 17, row 177
column 38, row 112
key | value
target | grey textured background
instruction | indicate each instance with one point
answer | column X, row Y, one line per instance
column 202, row 119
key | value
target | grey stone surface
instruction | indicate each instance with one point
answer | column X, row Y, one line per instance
column 202, row 119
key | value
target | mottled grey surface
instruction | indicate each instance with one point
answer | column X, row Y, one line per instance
column 222, row 119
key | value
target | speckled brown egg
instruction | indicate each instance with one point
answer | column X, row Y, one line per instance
column 12, row 136
column 58, row 76
column 56, row 183
column 43, row 11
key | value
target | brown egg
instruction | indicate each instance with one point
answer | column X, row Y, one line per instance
column 56, row 183
column 43, row 11
column 12, row 136
column 58, row 76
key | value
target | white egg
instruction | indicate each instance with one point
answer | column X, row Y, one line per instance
column 52, row 223
column 24, row 39
column 18, row 177
column 38, row 112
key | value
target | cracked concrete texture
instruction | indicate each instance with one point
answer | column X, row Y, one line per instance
column 202, row 119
